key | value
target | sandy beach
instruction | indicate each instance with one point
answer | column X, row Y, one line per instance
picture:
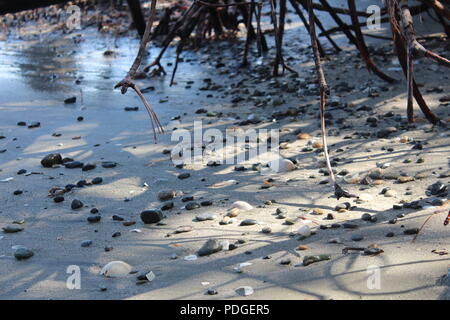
column 390, row 164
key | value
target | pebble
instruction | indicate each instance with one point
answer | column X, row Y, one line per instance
column 184, row 175
column 248, row 222
column 76, row 204
column 205, row 217
column 23, row 253
column 58, row 199
column 88, row 167
column 86, row 243
column 97, row 180
column 73, row 164
column 93, row 219
column 166, row 195
column 411, row 231
column 266, row 230
column 51, row 159
column 192, row 205
column 167, row 205
column 209, row 247
column 151, row 216
column 357, row 237
column 109, row 164
column 11, row 228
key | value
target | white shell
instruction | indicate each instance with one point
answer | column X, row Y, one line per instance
column 304, row 230
column 282, row 165
column 116, row 269
column 191, row 257
column 245, row 290
column 150, row 276
column 205, row 216
column 242, row 205
column 224, row 184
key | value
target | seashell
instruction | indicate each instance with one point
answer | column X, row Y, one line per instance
column 282, row 165
column 150, row 276
column 233, row 212
column 242, row 206
column 191, row 257
column 224, row 184
column 304, row 231
column 238, row 269
column 116, row 269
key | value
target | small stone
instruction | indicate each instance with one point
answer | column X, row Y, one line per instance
column 73, row 164
column 86, row 243
column 411, row 231
column 51, row 159
column 183, row 229
column 205, row 216
column 248, row 222
column 405, row 179
column 266, row 230
column 23, row 253
column 97, row 180
column 209, row 247
column 117, row 218
column 166, row 195
column 88, row 166
column 76, row 204
column 58, row 199
column 151, row 216
column 212, row 292
column 167, row 205
column 366, row 217
column 17, row 192
column 192, row 205
column 109, row 164
column 184, row 175
column 11, row 228
column 285, row 261
column 93, row 219
column 357, row 237
column 70, row 100
column 390, row 234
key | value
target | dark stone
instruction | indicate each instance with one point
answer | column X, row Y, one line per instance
column 411, row 231
column 109, row 164
column 51, row 159
column 97, row 180
column 167, row 206
column 70, row 100
column 58, row 199
column 93, row 219
column 76, row 204
column 73, row 164
column 151, row 216
column 117, row 218
column 184, row 175
column 88, row 166
column 192, row 206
